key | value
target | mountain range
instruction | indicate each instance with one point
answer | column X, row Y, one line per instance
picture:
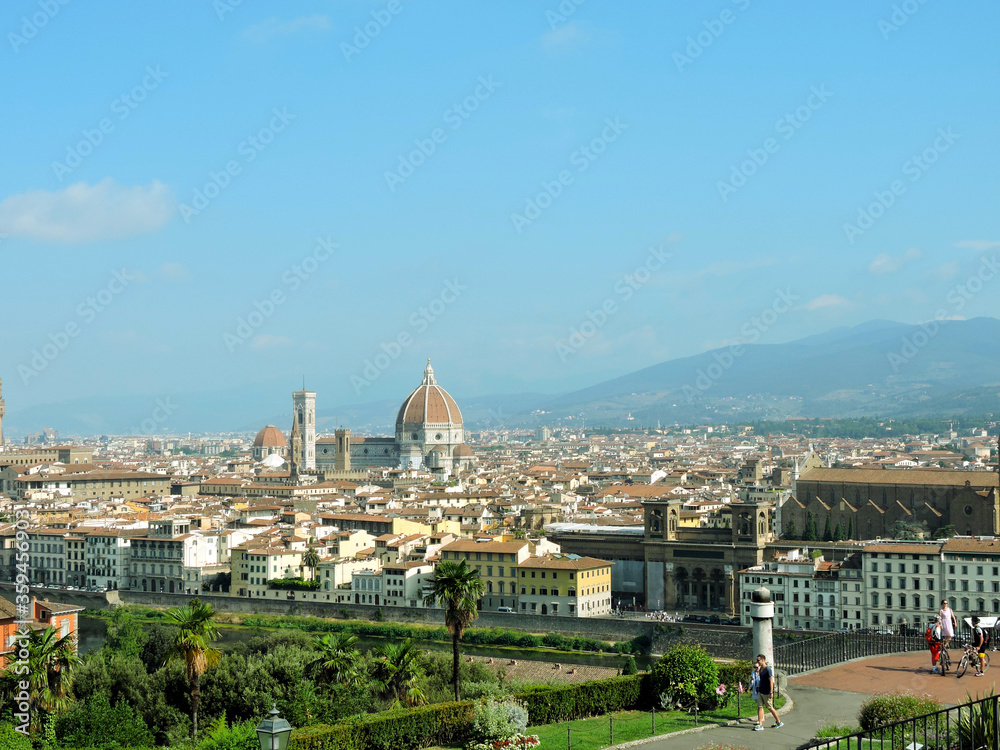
column 878, row 368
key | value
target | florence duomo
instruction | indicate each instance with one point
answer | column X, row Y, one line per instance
column 429, row 436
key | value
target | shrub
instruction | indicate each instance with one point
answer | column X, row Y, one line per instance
column 687, row 675
column 888, row 708
column 95, row 724
column 551, row 704
column 977, row 725
column 493, row 721
column 242, row 735
column 731, row 675
column 629, row 667
column 11, row 739
column 399, row 729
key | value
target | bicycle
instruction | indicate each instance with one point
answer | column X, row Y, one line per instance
column 944, row 660
column 972, row 656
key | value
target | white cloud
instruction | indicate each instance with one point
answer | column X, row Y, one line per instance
column 86, row 213
column 885, row 263
column 267, row 341
column 265, row 31
column 945, row 271
column 564, row 39
column 980, row 245
column 827, row 300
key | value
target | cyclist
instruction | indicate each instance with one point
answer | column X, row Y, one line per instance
column 934, row 637
column 979, row 644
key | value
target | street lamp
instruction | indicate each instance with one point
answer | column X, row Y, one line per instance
column 273, row 731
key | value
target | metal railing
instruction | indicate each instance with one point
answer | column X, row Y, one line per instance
column 827, row 650
column 969, row 726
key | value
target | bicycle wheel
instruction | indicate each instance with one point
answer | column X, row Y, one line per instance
column 944, row 662
column 962, row 666
column 986, row 661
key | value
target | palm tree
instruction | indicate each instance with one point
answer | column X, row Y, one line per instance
column 196, row 631
column 459, row 588
column 311, row 560
column 339, row 658
column 396, row 672
column 51, row 661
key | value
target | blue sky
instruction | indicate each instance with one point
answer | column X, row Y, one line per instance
column 654, row 125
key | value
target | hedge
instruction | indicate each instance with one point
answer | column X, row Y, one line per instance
column 399, row 729
column 731, row 675
column 549, row 705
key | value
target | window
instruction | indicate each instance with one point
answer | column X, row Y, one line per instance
column 875, row 599
column 875, row 567
column 874, row 582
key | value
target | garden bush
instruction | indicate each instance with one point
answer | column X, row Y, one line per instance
column 399, row 729
column 687, row 676
column 493, row 721
column 887, row 708
column 548, row 705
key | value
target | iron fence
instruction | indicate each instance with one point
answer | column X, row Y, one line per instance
column 835, row 648
column 969, row 726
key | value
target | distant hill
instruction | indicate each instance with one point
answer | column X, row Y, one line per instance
column 877, row 368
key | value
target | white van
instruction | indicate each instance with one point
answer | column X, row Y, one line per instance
column 505, row 609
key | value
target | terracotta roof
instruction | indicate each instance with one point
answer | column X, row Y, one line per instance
column 972, row 544
column 270, row 437
column 429, row 402
column 904, row 549
column 563, row 562
column 469, row 545
column 902, row 476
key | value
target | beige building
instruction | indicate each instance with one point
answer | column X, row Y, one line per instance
column 497, row 565
column 558, row 584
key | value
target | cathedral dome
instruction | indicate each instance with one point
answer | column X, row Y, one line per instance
column 464, row 451
column 429, row 403
column 270, row 437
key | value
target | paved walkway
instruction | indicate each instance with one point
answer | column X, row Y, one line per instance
column 833, row 696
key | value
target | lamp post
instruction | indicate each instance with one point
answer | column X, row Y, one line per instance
column 273, row 731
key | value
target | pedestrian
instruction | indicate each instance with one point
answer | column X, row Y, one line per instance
column 934, row 638
column 765, row 695
column 949, row 623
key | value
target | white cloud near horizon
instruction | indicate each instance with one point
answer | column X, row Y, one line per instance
column 265, row 31
column 267, row 341
column 827, row 300
column 978, row 245
column 885, row 263
column 564, row 39
column 87, row 213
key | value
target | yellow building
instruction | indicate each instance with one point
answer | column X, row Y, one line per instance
column 558, row 584
column 497, row 565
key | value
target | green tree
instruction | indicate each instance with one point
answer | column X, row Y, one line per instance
column 125, row 634
column 459, row 588
column 51, row 661
column 946, row 532
column 809, row 535
column 790, row 530
column 850, row 527
column 827, row 531
column 339, row 658
column 838, row 533
column 94, row 723
column 311, row 560
column 397, row 670
column 192, row 645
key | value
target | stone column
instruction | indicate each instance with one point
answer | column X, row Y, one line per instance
column 762, row 614
column 669, row 587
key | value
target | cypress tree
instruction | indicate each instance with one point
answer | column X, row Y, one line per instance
column 810, row 533
column 790, row 529
column 827, row 531
column 850, row 527
column 838, row 533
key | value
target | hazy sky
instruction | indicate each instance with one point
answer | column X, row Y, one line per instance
column 477, row 182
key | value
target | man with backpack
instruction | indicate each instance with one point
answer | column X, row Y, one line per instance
column 765, row 694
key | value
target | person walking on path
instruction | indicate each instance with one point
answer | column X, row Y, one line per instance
column 949, row 623
column 765, row 694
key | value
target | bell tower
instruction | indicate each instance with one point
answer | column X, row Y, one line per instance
column 304, row 416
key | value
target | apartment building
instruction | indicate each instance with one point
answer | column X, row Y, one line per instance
column 404, row 584
column 904, row 582
column 497, row 563
column 558, row 584
column 107, row 555
column 254, row 564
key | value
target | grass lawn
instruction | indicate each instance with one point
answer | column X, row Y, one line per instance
column 592, row 734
